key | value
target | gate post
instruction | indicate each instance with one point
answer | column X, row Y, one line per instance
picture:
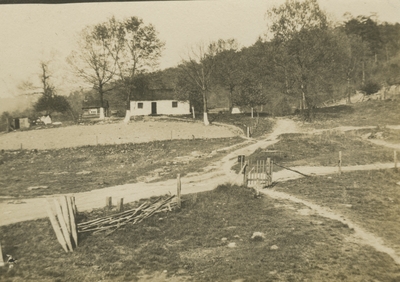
column 269, row 171
column 245, row 175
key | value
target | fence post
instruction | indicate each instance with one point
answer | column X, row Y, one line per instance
column 395, row 158
column 271, row 171
column 340, row 162
column 120, row 204
column 7, row 125
column 245, row 175
column 56, row 227
column 108, row 202
column 1, row 257
column 64, row 228
column 248, row 132
column 194, row 114
column 72, row 219
column 178, row 190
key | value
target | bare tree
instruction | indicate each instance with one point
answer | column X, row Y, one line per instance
column 135, row 48
column 198, row 67
column 94, row 62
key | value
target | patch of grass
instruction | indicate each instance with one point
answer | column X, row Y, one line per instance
column 387, row 134
column 260, row 125
column 323, row 150
column 374, row 112
column 369, row 198
column 107, row 165
column 187, row 244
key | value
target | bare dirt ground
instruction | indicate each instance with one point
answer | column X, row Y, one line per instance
column 110, row 133
column 218, row 173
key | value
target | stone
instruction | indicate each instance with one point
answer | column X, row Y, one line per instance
column 83, row 172
column 274, row 247
column 258, row 236
column 224, row 239
column 36, row 187
column 232, row 245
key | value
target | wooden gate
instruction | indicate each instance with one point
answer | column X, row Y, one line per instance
column 258, row 173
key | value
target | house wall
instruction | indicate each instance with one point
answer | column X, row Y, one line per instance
column 93, row 112
column 164, row 107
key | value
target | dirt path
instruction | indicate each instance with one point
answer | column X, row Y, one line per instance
column 380, row 142
column 220, row 173
column 360, row 234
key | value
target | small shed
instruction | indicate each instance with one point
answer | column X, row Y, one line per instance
column 159, row 102
column 91, row 108
column 20, row 123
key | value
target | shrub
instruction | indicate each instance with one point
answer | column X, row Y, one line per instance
column 371, row 87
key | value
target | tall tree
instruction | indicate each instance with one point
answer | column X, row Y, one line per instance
column 250, row 94
column 294, row 16
column 198, row 68
column 367, row 29
column 351, row 60
column 93, row 61
column 309, row 50
column 48, row 102
column 135, row 48
column 227, row 70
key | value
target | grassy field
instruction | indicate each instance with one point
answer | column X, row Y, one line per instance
column 86, row 168
column 369, row 198
column 323, row 150
column 209, row 239
column 370, row 113
column 260, row 126
column 387, row 134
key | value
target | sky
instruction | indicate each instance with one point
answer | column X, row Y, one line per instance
column 30, row 33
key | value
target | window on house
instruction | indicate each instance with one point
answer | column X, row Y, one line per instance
column 93, row 111
column 140, row 105
column 174, row 104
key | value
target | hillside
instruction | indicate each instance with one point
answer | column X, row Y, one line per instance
column 369, row 113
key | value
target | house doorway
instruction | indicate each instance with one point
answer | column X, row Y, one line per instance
column 153, row 108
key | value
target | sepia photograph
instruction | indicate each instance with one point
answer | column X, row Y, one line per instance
column 214, row 140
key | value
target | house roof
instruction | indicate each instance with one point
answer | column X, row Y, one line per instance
column 155, row 94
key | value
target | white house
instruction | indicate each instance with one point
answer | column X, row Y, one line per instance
column 159, row 103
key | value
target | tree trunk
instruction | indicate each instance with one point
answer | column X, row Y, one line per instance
column 102, row 116
column 128, row 109
column 363, row 74
column 127, row 116
column 101, row 93
column 230, row 106
column 348, row 91
column 205, row 115
column 252, row 112
column 387, row 54
column 7, row 125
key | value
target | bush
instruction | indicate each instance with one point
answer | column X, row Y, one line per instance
column 371, row 87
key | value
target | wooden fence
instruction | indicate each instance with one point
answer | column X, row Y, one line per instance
column 257, row 173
